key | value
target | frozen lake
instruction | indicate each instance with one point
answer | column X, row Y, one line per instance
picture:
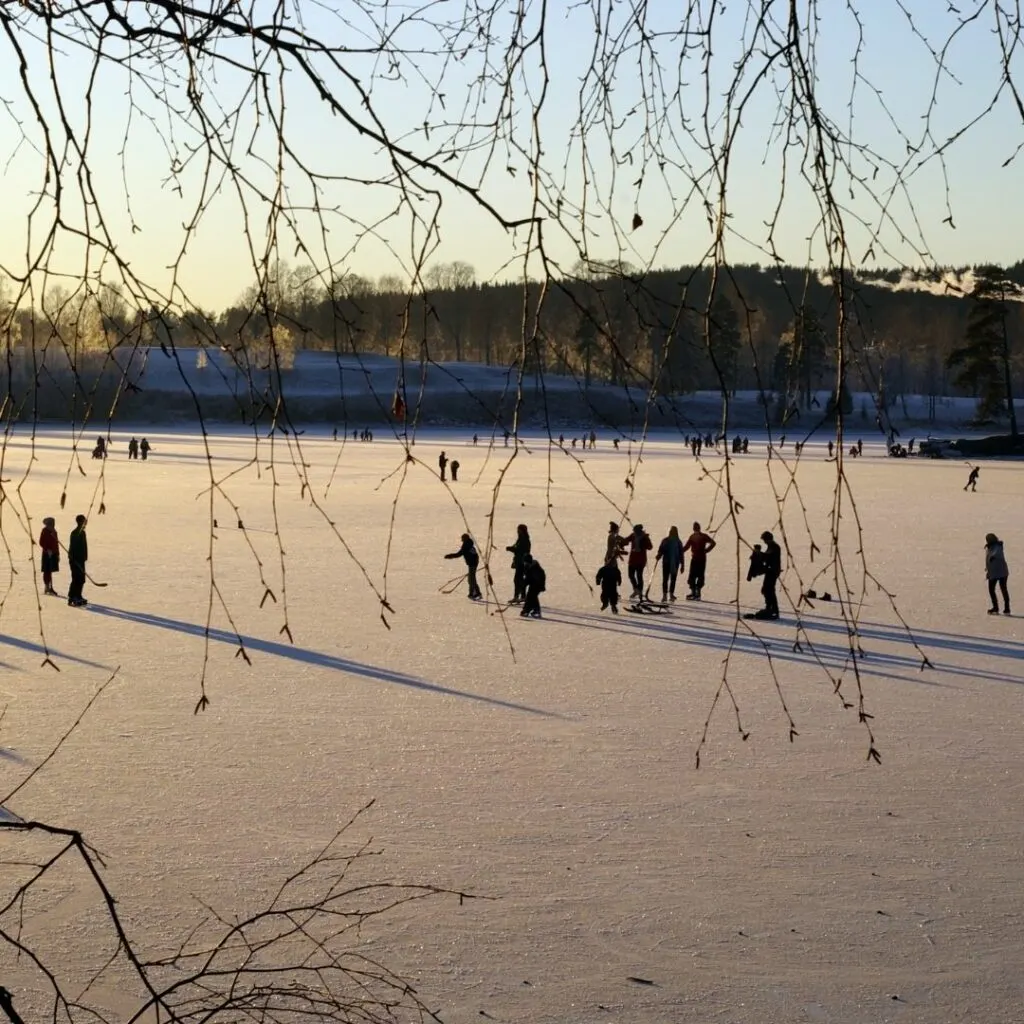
column 547, row 764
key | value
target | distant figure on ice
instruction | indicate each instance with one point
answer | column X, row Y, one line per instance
column 609, row 579
column 476, row 439
column 746, row 445
column 100, row 451
column 78, row 555
column 860, row 446
column 133, row 449
column 910, row 445
column 639, row 544
column 831, row 449
column 536, row 583
column 770, row 566
column 996, row 572
column 670, row 554
column 574, row 442
column 615, row 443
column 698, row 544
column 442, row 463
column 50, row 543
column 455, row 471
column 334, row 434
column 471, row 557
column 145, row 448
column 593, row 440
column 972, row 480
column 507, row 436
column 520, row 552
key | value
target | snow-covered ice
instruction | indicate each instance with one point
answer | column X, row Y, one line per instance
column 783, row 881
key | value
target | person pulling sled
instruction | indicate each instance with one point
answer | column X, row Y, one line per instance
column 471, row 556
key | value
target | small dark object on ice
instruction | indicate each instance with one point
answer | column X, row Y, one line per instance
column 639, row 981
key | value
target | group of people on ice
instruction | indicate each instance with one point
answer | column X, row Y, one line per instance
column 78, row 555
column 671, row 555
column 101, row 449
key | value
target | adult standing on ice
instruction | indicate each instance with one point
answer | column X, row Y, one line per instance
column 520, row 552
column 639, row 544
column 145, row 447
column 670, row 554
column 772, row 562
column 698, row 544
column 996, row 572
column 471, row 557
column 442, row 463
column 972, row 479
column 78, row 555
column 50, row 543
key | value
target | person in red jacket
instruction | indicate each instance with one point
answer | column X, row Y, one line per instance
column 698, row 544
column 50, row 543
column 639, row 544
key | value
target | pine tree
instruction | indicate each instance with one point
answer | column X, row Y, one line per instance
column 983, row 361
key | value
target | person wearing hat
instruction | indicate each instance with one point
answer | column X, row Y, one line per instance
column 698, row 544
column 670, row 554
column 78, row 555
column 50, row 543
column 616, row 545
column 639, row 544
column 520, row 549
column 471, row 556
column 772, row 562
column 996, row 572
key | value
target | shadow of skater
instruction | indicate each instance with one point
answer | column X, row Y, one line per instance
column 308, row 657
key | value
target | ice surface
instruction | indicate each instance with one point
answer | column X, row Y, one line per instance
column 780, row 882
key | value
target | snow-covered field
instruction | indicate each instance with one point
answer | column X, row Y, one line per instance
column 783, row 881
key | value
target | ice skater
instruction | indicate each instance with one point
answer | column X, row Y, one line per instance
column 520, row 552
column 698, row 544
column 769, row 566
column 50, row 543
column 535, row 582
column 78, row 555
column 972, row 480
column 670, row 554
column 609, row 579
column 471, row 556
column 996, row 572
column 639, row 544
column 442, row 464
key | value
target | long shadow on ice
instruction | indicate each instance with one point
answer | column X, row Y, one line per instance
column 28, row 645
column 835, row 657
column 308, row 657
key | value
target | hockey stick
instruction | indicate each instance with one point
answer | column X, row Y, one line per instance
column 95, row 583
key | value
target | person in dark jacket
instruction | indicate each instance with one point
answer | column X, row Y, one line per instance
column 133, row 449
column 520, row 550
column 639, row 544
column 972, row 479
column 442, row 462
column 772, row 562
column 996, row 572
column 455, row 470
column 145, row 447
column 50, row 543
column 536, row 583
column 471, row 557
column 616, row 544
column 698, row 544
column 609, row 579
column 670, row 554
column 78, row 555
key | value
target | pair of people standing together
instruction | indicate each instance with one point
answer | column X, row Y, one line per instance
column 78, row 555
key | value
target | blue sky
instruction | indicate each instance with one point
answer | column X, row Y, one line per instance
column 361, row 229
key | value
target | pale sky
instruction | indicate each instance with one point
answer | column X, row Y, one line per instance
column 895, row 66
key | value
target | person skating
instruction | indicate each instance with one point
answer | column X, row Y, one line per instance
column 133, row 449
column 145, row 447
column 520, row 552
column 972, row 479
column 455, row 470
column 772, row 562
column 442, row 463
column 50, row 543
column 100, row 451
column 535, row 582
column 609, row 579
column 698, row 544
column 471, row 557
column 78, row 555
column 639, row 544
column 670, row 554
column 996, row 572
